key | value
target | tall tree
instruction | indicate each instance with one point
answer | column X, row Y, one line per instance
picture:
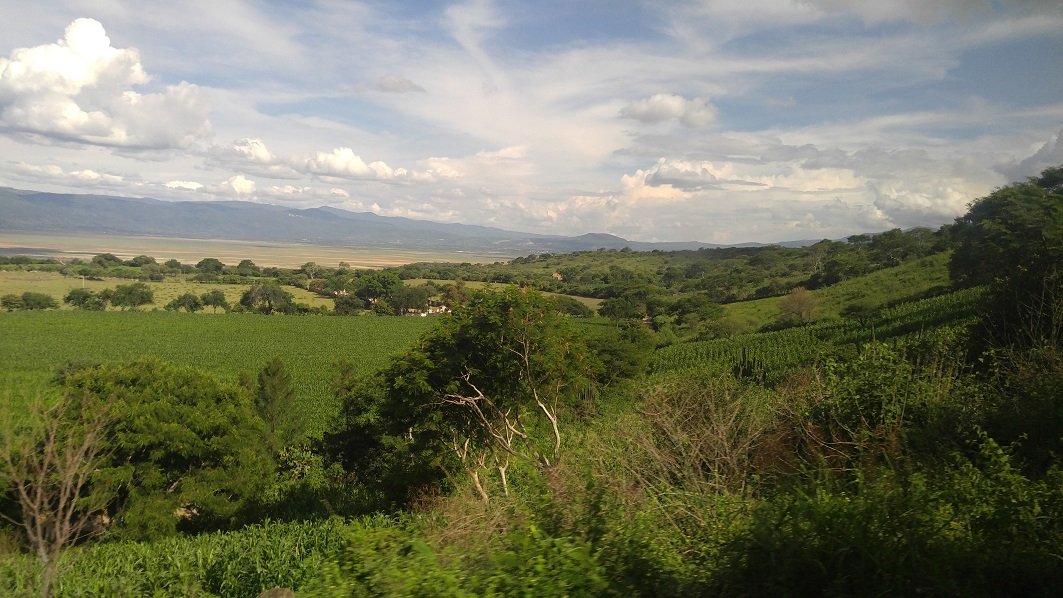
column 1012, row 240
column 275, row 403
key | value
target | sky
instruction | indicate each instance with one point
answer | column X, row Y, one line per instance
column 716, row 121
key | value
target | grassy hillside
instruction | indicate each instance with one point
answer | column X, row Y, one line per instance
column 883, row 287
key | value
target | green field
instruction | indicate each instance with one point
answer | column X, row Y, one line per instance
column 34, row 344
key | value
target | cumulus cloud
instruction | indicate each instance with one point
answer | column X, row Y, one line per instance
column 661, row 107
column 1050, row 154
column 237, row 185
column 342, row 162
column 251, row 155
column 81, row 89
column 84, row 176
column 183, row 185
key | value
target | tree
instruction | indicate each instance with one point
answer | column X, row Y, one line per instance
column 210, row 265
column 214, row 299
column 267, row 297
column 274, row 401
column 132, row 295
column 799, row 306
column 186, row 301
column 184, row 451
column 85, row 299
column 493, row 382
column 405, row 299
column 377, row 285
column 32, row 300
column 47, row 458
column 142, row 260
column 106, row 260
column 247, row 268
column 311, row 270
column 346, row 305
column 619, row 308
column 1012, row 240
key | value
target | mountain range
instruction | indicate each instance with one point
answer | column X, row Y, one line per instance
column 41, row 212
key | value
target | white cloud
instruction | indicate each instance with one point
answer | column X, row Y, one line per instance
column 81, row 89
column 85, row 176
column 185, row 185
column 343, row 162
column 658, row 108
column 237, row 185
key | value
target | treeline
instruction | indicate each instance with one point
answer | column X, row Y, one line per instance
column 725, row 275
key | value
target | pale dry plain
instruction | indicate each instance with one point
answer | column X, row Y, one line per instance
column 190, row 251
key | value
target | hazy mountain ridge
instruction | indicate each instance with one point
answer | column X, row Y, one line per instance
column 33, row 211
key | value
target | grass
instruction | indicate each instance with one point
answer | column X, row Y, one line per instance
column 474, row 285
column 882, row 287
column 57, row 285
column 34, row 344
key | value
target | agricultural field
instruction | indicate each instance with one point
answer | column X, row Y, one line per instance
column 264, row 253
column 34, row 344
column 57, row 285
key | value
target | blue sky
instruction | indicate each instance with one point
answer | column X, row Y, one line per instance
column 718, row 121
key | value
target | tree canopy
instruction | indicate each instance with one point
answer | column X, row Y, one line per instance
column 184, row 450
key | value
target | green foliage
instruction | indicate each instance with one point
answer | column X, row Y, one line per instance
column 28, row 301
column 210, row 265
column 572, row 307
column 85, row 299
column 1012, row 239
column 214, row 299
column 131, row 295
column 105, row 260
column 347, row 305
column 268, row 297
column 623, row 351
column 275, row 402
column 186, row 301
column 11, row 302
column 976, row 527
column 185, row 451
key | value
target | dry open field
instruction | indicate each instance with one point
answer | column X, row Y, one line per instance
column 263, row 253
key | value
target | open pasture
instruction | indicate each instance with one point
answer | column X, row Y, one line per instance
column 34, row 344
column 55, row 284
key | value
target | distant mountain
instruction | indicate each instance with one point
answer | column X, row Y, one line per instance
column 33, row 211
